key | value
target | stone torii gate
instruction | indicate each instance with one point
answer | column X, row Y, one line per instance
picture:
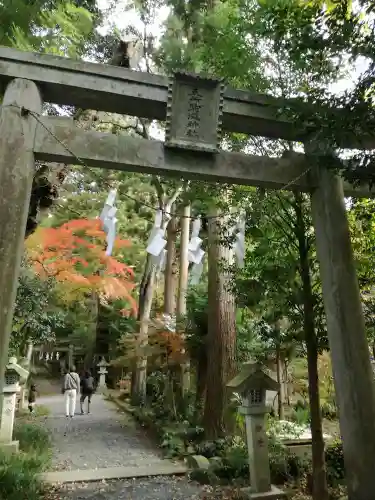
column 194, row 109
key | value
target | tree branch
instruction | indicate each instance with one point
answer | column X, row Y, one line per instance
column 173, row 198
column 145, row 133
column 159, row 190
column 291, row 222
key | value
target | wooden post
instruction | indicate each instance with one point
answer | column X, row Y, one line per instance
column 346, row 334
column 17, row 132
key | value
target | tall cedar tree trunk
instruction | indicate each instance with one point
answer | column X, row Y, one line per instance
column 221, row 339
column 146, row 293
column 144, row 285
column 170, row 269
column 145, row 290
column 139, row 376
column 201, row 380
column 182, row 291
column 91, row 348
column 320, row 488
column 279, row 373
column 170, row 286
column 184, row 262
column 102, row 344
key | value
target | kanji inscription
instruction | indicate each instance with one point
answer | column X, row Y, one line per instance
column 8, row 407
column 194, row 113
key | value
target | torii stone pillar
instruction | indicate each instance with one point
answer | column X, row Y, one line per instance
column 17, row 131
column 353, row 376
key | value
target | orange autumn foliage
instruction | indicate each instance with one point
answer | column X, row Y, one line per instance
column 171, row 344
column 74, row 254
column 168, row 343
column 164, row 350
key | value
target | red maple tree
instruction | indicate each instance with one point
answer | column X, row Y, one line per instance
column 74, row 253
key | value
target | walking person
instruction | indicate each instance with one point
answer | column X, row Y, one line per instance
column 87, row 389
column 32, row 397
column 71, row 385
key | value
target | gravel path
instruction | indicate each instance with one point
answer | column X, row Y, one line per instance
column 157, row 488
column 105, row 438
column 109, row 438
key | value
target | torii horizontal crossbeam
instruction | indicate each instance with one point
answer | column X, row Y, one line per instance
column 107, row 88
column 60, row 140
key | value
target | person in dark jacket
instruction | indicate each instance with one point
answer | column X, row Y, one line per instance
column 87, row 389
column 32, row 397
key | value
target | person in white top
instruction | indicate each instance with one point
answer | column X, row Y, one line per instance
column 70, row 390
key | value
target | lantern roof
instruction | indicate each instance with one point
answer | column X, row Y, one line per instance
column 252, row 376
column 14, row 366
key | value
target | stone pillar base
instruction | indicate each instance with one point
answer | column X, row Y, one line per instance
column 12, row 447
column 273, row 494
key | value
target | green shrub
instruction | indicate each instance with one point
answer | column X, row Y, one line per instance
column 33, row 438
column 19, row 477
column 216, row 448
column 20, row 473
column 301, row 403
column 173, row 445
column 155, row 386
column 39, row 411
column 278, row 461
column 179, row 440
column 233, row 453
column 329, row 411
column 335, row 463
column 188, row 408
column 284, row 465
column 235, row 464
column 301, row 413
column 301, row 416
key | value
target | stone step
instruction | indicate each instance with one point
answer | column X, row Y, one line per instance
column 89, row 475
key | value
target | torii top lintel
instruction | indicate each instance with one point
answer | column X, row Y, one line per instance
column 107, row 88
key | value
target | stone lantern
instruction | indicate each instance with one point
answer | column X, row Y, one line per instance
column 14, row 376
column 252, row 383
column 102, row 365
column 20, row 399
